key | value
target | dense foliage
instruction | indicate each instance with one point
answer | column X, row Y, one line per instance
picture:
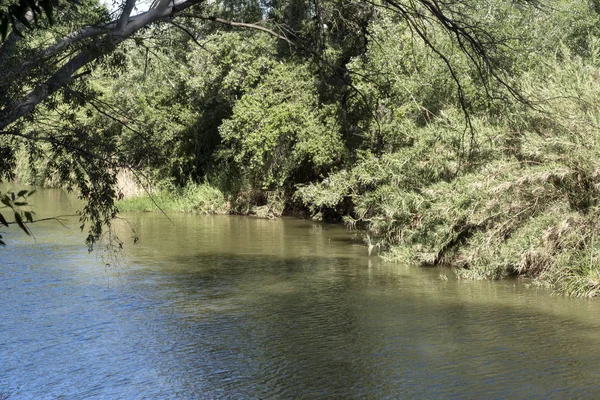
column 466, row 139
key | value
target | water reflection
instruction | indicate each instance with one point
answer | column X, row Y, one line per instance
column 231, row 307
column 334, row 333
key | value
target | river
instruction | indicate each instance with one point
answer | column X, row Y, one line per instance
column 209, row 307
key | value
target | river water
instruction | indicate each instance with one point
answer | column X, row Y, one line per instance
column 209, row 307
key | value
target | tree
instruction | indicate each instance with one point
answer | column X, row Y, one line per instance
column 45, row 66
column 34, row 73
column 88, row 42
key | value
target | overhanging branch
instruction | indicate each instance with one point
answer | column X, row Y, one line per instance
column 108, row 36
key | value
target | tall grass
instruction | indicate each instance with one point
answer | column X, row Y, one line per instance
column 194, row 198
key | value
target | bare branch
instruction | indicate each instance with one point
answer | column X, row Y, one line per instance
column 57, row 218
column 258, row 28
column 123, row 19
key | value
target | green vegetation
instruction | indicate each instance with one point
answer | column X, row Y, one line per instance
column 463, row 134
column 193, row 198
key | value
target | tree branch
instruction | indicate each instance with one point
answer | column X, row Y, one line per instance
column 112, row 36
column 123, row 19
column 256, row 27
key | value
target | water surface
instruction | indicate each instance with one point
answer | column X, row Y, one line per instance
column 209, row 307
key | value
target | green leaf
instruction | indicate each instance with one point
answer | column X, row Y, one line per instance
column 3, row 25
column 6, row 201
column 19, row 221
column 22, row 193
column 32, row 192
column 28, row 216
column 3, row 220
column 20, row 203
column 2, row 243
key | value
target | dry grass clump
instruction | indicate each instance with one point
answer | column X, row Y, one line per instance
column 505, row 220
column 129, row 185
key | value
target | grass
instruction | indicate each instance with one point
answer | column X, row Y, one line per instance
column 193, row 198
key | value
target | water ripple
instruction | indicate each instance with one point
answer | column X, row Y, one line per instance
column 230, row 322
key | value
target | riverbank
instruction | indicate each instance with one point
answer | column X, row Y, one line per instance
column 503, row 220
column 500, row 235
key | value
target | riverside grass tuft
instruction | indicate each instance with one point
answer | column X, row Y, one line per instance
column 193, row 198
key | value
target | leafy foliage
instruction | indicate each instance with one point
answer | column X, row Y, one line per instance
column 515, row 196
column 15, row 206
column 20, row 15
column 277, row 130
